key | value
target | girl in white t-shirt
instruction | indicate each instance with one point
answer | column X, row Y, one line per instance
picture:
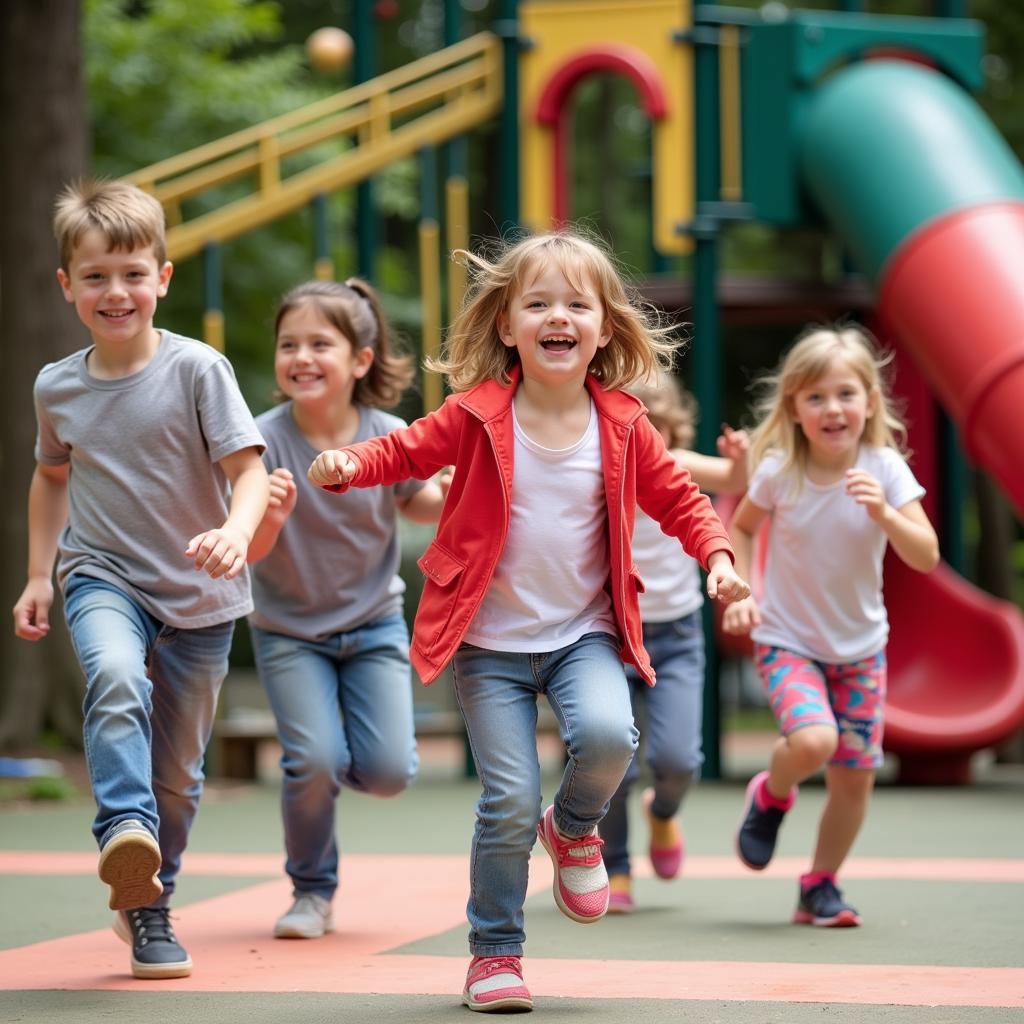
column 530, row 584
column 674, row 637
column 828, row 470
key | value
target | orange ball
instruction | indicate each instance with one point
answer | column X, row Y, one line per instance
column 329, row 49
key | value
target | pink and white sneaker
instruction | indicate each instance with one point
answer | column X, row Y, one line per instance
column 581, row 881
column 495, row 984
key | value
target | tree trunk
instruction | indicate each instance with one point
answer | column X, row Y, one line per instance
column 44, row 128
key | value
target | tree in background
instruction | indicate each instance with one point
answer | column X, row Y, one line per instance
column 43, row 124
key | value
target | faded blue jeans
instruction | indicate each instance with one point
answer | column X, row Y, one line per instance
column 585, row 684
column 151, row 693
column 344, row 717
column 671, row 729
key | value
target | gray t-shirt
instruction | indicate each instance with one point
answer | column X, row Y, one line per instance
column 334, row 566
column 144, row 479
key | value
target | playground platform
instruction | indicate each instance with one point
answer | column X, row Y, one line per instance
column 938, row 876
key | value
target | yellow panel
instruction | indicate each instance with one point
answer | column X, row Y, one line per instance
column 560, row 30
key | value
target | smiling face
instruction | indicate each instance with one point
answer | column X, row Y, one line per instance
column 556, row 326
column 313, row 361
column 114, row 292
column 832, row 413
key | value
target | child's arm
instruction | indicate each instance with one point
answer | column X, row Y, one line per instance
column 47, row 514
column 908, row 529
column 222, row 551
column 740, row 618
column 426, row 505
column 283, row 494
column 725, row 473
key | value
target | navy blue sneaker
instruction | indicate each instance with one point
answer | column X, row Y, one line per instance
column 822, row 904
column 156, row 953
column 129, row 862
column 759, row 826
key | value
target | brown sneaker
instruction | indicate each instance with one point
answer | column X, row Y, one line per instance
column 129, row 862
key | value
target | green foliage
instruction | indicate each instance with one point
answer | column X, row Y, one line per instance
column 163, row 77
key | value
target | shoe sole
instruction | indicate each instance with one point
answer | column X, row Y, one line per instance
column 129, row 864
column 844, row 919
column 748, row 801
column 571, row 914
column 511, row 1004
column 298, row 933
column 152, row 972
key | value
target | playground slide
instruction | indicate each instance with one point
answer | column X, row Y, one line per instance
column 930, row 201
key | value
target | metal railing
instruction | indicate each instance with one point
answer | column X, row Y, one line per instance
column 373, row 124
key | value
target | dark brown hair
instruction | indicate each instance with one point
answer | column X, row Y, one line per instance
column 355, row 310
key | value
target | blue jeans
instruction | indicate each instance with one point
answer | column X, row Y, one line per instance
column 344, row 716
column 150, row 697
column 586, row 686
column 672, row 729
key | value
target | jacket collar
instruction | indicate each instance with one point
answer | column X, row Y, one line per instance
column 492, row 399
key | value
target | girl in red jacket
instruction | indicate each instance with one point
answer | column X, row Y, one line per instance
column 530, row 584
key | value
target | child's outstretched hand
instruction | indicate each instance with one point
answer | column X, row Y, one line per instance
column 332, row 470
column 723, row 583
column 867, row 491
column 741, row 617
column 733, row 444
column 282, row 494
column 221, row 552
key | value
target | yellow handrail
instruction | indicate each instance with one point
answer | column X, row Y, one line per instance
column 378, row 122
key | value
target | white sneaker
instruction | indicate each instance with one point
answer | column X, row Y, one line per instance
column 310, row 917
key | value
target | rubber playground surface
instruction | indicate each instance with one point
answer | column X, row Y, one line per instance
column 938, row 876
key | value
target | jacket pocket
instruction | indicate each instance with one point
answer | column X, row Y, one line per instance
column 641, row 587
column 440, row 566
column 443, row 572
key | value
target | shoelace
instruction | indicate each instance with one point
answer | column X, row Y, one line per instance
column 500, row 965
column 153, row 924
column 585, row 850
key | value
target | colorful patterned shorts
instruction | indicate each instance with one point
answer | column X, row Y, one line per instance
column 849, row 698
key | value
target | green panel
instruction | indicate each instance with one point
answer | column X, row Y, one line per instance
column 886, row 146
column 784, row 61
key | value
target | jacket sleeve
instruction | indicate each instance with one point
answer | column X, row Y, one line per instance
column 666, row 492
column 419, row 450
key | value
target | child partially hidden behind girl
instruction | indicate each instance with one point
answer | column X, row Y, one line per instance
column 530, row 586
column 829, row 472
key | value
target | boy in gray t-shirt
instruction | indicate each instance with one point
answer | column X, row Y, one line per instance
column 144, row 442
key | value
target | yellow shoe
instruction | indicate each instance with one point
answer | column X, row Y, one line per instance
column 620, row 897
column 666, row 846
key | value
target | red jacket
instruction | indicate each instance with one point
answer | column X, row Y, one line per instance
column 472, row 431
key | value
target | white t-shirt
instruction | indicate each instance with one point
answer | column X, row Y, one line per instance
column 671, row 577
column 823, row 579
column 548, row 587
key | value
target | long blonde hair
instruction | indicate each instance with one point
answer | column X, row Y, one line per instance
column 474, row 352
column 808, row 361
column 671, row 409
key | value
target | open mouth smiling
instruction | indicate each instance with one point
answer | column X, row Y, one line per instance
column 558, row 343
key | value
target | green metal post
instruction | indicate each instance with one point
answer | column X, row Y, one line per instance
column 323, row 265
column 952, row 486
column 707, row 369
column 365, row 38
column 213, row 296
column 508, row 129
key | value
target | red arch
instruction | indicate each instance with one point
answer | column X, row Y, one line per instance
column 612, row 58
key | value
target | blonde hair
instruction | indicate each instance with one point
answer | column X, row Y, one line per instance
column 127, row 217
column 474, row 351
column 670, row 408
column 807, row 361
column 355, row 310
